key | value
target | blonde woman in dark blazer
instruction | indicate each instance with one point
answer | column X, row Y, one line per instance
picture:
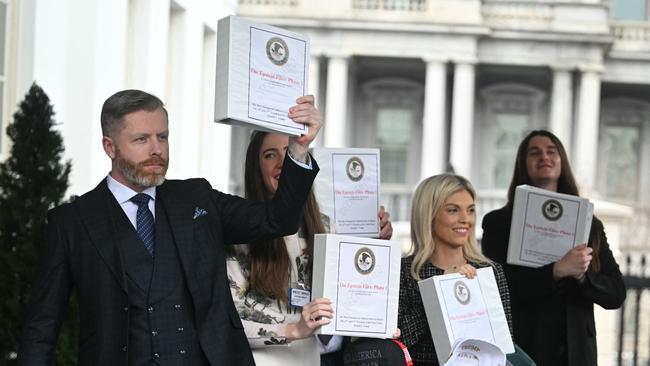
column 443, row 216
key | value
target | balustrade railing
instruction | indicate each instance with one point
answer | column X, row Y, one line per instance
column 631, row 31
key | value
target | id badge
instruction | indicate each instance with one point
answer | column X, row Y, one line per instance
column 299, row 297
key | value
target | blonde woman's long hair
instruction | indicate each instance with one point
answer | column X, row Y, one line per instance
column 429, row 197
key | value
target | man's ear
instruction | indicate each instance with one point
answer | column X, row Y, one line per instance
column 109, row 147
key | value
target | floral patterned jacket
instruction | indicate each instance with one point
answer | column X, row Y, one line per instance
column 265, row 319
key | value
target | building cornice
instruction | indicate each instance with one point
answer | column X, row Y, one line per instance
column 362, row 25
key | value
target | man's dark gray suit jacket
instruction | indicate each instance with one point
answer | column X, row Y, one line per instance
column 81, row 253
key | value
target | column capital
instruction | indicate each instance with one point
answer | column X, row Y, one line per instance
column 435, row 59
column 591, row 67
column 559, row 67
column 465, row 60
column 337, row 54
column 317, row 51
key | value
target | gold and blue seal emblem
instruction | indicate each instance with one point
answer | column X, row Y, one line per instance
column 461, row 292
column 552, row 210
column 355, row 169
column 364, row 260
column 277, row 51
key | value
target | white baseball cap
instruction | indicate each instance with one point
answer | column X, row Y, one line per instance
column 475, row 352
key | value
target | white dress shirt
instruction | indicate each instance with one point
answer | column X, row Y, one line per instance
column 123, row 196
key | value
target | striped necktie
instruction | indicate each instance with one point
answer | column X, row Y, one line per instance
column 144, row 223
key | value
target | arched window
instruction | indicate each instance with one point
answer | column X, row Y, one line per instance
column 505, row 114
column 391, row 119
column 624, row 144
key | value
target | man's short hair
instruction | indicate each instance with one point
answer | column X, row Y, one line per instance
column 124, row 102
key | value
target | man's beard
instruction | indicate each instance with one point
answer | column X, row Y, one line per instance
column 134, row 172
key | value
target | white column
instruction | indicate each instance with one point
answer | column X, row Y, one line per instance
column 314, row 75
column 147, row 45
column 336, row 102
column 214, row 153
column 184, row 93
column 22, row 23
column 462, row 119
column 586, row 137
column 108, row 49
column 561, row 106
column 314, row 87
column 79, row 62
column 433, row 122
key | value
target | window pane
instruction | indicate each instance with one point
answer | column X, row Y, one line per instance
column 393, row 166
column 508, row 132
column 394, row 126
column 394, row 135
column 629, row 9
column 622, row 152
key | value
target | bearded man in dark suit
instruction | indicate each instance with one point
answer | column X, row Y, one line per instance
column 146, row 255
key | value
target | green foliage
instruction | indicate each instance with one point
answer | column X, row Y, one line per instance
column 32, row 180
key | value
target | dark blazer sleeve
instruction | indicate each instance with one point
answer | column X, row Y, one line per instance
column 245, row 221
column 527, row 285
column 49, row 302
column 411, row 317
column 605, row 287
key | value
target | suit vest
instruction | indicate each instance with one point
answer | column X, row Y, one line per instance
column 161, row 317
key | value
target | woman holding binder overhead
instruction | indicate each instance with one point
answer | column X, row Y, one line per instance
column 443, row 216
column 552, row 306
column 270, row 282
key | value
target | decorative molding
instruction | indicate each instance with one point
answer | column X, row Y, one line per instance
column 391, row 5
column 436, row 59
column 270, row 3
column 516, row 15
column 597, row 68
column 513, row 97
column 625, row 111
column 393, row 91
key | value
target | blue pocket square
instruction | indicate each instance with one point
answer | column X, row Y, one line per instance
column 198, row 212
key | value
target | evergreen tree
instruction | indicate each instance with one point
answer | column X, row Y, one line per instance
column 32, row 180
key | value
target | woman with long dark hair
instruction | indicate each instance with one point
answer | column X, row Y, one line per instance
column 552, row 306
column 266, row 280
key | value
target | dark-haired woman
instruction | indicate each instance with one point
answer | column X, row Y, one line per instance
column 552, row 306
column 266, row 280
